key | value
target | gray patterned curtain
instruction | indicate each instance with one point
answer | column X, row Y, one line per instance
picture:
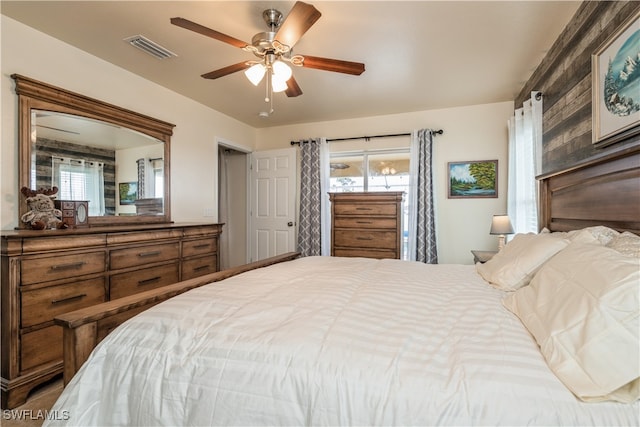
column 310, row 222
column 422, row 220
column 141, row 178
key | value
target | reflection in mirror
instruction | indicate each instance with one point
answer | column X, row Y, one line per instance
column 87, row 159
column 90, row 149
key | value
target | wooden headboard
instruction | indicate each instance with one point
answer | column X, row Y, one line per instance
column 600, row 191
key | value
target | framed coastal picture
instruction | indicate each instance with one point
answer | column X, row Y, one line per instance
column 473, row 179
column 616, row 85
column 128, row 192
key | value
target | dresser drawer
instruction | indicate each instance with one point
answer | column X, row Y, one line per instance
column 364, row 209
column 67, row 242
column 199, row 247
column 141, row 255
column 35, row 270
column 199, row 267
column 42, row 305
column 366, row 238
column 366, row 253
column 40, row 347
column 133, row 282
column 364, row 222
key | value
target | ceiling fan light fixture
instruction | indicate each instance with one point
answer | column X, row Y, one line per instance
column 255, row 73
column 274, row 50
column 281, row 71
column 278, row 85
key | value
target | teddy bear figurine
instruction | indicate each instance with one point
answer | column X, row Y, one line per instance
column 42, row 212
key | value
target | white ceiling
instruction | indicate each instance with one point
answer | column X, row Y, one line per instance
column 419, row 55
column 81, row 130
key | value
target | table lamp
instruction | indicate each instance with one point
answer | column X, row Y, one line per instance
column 501, row 225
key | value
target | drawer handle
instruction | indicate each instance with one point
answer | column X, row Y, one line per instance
column 364, row 222
column 364, row 209
column 68, row 266
column 148, row 281
column 202, row 267
column 146, row 254
column 364, row 238
column 202, row 246
column 68, row 299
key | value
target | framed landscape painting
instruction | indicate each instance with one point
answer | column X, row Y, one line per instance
column 128, row 192
column 616, row 85
column 474, row 179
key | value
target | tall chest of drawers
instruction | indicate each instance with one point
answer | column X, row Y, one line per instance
column 46, row 273
column 366, row 224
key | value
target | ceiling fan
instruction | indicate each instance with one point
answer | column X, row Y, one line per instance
column 274, row 50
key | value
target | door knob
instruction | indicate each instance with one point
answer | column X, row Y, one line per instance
column 290, row 224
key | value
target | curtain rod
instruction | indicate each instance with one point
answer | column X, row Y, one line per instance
column 367, row 138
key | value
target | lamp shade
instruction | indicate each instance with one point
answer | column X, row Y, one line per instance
column 278, row 85
column 281, row 71
column 501, row 224
column 255, row 73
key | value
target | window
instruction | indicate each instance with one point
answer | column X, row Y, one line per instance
column 80, row 180
column 380, row 170
column 157, row 170
column 525, row 142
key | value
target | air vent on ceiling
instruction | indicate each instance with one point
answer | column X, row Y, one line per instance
column 150, row 47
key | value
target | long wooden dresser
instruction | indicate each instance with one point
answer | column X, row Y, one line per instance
column 47, row 273
column 366, row 224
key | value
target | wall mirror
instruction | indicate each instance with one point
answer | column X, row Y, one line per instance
column 116, row 159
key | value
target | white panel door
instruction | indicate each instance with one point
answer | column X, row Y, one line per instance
column 273, row 195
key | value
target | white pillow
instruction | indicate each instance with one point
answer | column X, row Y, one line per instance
column 515, row 265
column 626, row 243
column 583, row 309
column 593, row 235
column 600, row 232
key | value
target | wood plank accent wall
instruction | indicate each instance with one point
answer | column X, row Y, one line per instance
column 564, row 77
column 46, row 148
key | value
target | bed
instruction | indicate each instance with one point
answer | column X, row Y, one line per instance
column 355, row 341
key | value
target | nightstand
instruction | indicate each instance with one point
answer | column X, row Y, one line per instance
column 482, row 256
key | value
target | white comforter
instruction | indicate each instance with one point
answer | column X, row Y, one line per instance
column 329, row 341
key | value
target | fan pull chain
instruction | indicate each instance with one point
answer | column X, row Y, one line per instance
column 267, row 98
column 271, row 105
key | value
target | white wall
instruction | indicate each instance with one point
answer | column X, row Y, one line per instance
column 477, row 132
column 193, row 148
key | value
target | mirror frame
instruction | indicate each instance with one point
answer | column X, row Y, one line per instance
column 33, row 94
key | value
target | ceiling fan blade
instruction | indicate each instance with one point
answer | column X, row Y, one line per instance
column 226, row 70
column 293, row 89
column 189, row 25
column 301, row 17
column 336, row 65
